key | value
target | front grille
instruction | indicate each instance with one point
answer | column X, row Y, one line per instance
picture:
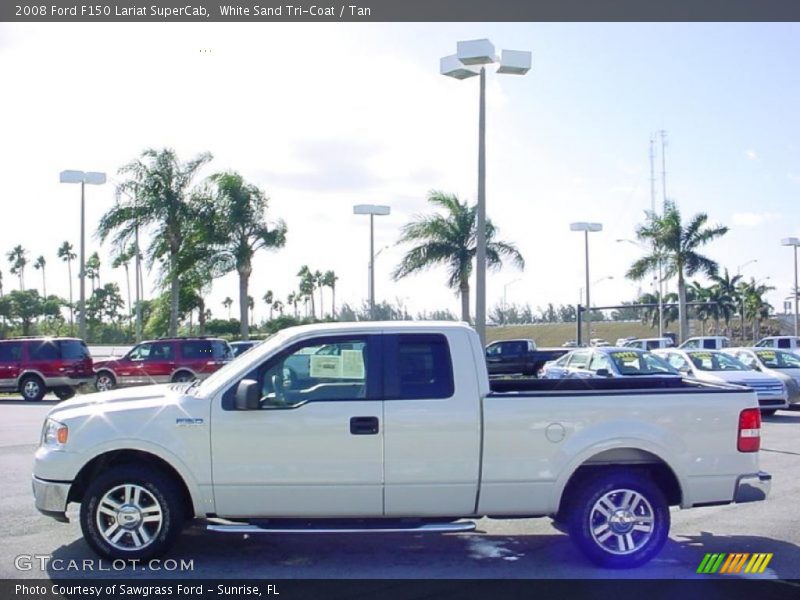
column 765, row 388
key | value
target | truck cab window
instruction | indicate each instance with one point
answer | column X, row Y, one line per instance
column 315, row 371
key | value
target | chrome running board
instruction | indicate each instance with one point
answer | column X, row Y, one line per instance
column 370, row 527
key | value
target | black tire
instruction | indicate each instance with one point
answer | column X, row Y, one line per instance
column 32, row 388
column 623, row 543
column 105, row 381
column 64, row 393
column 182, row 376
column 158, row 496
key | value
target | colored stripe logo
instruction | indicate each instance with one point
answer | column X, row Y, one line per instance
column 734, row 563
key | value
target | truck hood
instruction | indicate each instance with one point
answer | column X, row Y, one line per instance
column 121, row 399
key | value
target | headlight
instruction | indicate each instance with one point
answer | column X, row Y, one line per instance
column 54, row 434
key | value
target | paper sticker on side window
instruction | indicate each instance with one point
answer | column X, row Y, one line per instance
column 325, row 366
column 352, row 364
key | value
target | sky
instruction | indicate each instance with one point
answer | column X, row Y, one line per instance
column 325, row 116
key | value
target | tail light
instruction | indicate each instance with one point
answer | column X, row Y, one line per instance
column 749, row 438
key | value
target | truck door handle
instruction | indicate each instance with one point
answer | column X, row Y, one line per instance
column 364, row 425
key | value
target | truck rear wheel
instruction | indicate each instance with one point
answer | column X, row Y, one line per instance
column 131, row 512
column 619, row 519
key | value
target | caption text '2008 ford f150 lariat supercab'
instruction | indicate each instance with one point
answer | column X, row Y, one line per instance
column 394, row 427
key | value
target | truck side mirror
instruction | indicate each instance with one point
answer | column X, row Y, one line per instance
column 602, row 373
column 248, row 396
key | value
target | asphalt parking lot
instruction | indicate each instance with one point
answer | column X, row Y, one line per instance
column 528, row 548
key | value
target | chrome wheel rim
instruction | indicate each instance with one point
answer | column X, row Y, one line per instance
column 31, row 389
column 104, row 383
column 622, row 521
column 129, row 517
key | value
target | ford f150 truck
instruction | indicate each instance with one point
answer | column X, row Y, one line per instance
column 395, row 427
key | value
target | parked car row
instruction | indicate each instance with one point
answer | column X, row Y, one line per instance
column 35, row 366
column 773, row 374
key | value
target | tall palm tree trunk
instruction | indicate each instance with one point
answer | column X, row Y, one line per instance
column 44, row 285
column 333, row 301
column 464, row 291
column 175, row 291
column 244, row 279
column 130, row 307
column 683, row 319
column 201, row 317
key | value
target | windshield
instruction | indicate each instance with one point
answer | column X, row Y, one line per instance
column 640, row 363
column 716, row 361
column 223, row 374
column 775, row 359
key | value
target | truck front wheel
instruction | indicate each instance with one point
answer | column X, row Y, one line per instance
column 131, row 512
column 619, row 519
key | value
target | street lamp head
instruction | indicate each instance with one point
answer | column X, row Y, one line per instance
column 475, row 52
column 515, row 62
column 452, row 67
column 91, row 177
column 371, row 209
column 791, row 241
column 583, row 226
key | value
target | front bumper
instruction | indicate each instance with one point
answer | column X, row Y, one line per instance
column 753, row 487
column 51, row 498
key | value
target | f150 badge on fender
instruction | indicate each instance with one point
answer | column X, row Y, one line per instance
column 184, row 422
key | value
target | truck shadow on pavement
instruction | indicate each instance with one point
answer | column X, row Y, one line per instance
column 399, row 556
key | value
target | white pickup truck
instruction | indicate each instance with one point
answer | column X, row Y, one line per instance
column 394, row 427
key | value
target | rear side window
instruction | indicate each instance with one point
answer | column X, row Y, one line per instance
column 44, row 350
column 204, row 349
column 423, row 368
column 579, row 360
column 784, row 343
column 73, row 350
column 10, row 352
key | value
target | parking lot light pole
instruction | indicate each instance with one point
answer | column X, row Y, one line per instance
column 463, row 64
column 92, row 178
column 793, row 241
column 586, row 228
column 371, row 210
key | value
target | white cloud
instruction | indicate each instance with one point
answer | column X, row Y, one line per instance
column 751, row 155
column 751, row 219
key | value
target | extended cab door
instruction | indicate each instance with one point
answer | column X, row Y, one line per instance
column 432, row 431
column 315, row 445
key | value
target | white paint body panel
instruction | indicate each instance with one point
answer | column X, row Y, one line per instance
column 474, row 453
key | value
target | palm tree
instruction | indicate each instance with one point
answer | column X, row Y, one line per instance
column 227, row 303
column 307, row 287
column 243, row 230
column 450, row 239
column 756, row 307
column 162, row 186
column 40, row 263
column 92, row 269
column 251, row 304
column 702, row 312
column 318, row 277
column 18, row 259
column 293, row 299
column 66, row 253
column 675, row 248
column 268, row 299
column 277, row 305
column 650, row 316
column 729, row 297
column 123, row 259
column 329, row 279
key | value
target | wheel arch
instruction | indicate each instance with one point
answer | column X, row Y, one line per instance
column 114, row 458
column 627, row 456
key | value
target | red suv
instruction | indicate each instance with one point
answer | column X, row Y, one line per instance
column 38, row 365
column 163, row 361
